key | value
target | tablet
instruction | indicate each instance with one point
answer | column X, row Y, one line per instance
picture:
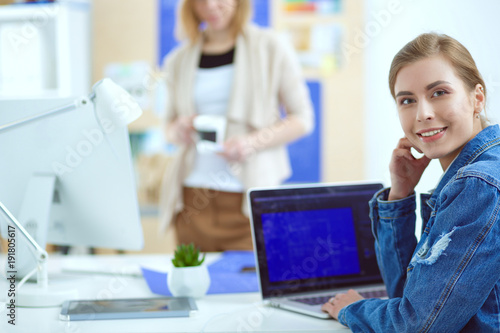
column 131, row 308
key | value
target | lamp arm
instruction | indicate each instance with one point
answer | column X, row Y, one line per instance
column 106, row 84
column 40, row 254
column 61, row 109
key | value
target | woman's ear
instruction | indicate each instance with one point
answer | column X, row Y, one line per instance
column 479, row 98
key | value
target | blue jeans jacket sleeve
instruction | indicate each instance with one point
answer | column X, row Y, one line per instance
column 393, row 225
column 446, row 284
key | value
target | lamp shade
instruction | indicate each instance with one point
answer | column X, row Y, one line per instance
column 113, row 103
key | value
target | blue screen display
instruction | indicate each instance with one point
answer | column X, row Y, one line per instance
column 306, row 244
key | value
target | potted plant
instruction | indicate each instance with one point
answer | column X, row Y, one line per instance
column 188, row 276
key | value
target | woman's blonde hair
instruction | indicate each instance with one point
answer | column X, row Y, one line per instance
column 188, row 24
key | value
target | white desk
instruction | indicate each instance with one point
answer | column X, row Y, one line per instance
column 217, row 313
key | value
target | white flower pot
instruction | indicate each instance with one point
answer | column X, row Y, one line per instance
column 188, row 281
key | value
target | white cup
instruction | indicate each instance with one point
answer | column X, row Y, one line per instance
column 211, row 130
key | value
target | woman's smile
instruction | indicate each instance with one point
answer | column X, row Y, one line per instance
column 431, row 135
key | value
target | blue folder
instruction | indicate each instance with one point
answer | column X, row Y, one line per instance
column 233, row 272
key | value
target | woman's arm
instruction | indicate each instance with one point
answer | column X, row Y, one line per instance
column 239, row 148
column 178, row 129
column 450, row 278
column 393, row 217
column 393, row 226
column 293, row 95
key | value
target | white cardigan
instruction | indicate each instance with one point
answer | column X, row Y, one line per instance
column 267, row 75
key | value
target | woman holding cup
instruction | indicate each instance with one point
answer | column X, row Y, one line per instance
column 226, row 84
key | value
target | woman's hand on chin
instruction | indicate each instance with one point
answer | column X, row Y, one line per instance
column 405, row 169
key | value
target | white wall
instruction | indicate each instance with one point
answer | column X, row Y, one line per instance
column 389, row 25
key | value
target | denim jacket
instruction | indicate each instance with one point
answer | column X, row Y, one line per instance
column 450, row 280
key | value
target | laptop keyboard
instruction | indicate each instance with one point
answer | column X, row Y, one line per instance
column 323, row 299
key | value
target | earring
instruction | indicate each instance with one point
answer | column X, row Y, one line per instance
column 477, row 115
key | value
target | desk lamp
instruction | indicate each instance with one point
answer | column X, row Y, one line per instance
column 111, row 103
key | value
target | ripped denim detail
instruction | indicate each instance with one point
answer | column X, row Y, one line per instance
column 428, row 256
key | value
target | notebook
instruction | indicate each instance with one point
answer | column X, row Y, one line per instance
column 312, row 241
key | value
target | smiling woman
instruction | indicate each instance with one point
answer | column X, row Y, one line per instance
column 443, row 283
column 440, row 95
column 436, row 108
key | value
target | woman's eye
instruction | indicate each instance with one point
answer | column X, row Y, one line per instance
column 406, row 101
column 438, row 93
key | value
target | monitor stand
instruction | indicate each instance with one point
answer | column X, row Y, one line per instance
column 30, row 247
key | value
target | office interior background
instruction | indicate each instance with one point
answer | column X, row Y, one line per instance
column 60, row 48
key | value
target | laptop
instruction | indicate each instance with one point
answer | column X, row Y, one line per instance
column 313, row 241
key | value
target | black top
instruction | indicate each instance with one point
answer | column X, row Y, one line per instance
column 216, row 60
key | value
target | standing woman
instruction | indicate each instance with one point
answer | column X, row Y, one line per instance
column 230, row 68
column 450, row 280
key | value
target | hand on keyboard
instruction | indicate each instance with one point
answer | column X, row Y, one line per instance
column 335, row 304
column 376, row 293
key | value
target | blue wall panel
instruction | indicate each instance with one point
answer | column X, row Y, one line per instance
column 261, row 12
column 305, row 153
column 167, row 11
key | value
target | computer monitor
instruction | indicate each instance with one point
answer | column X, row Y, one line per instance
column 72, row 171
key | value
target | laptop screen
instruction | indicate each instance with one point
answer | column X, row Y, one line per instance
column 313, row 238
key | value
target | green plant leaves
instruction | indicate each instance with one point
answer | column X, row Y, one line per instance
column 187, row 256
